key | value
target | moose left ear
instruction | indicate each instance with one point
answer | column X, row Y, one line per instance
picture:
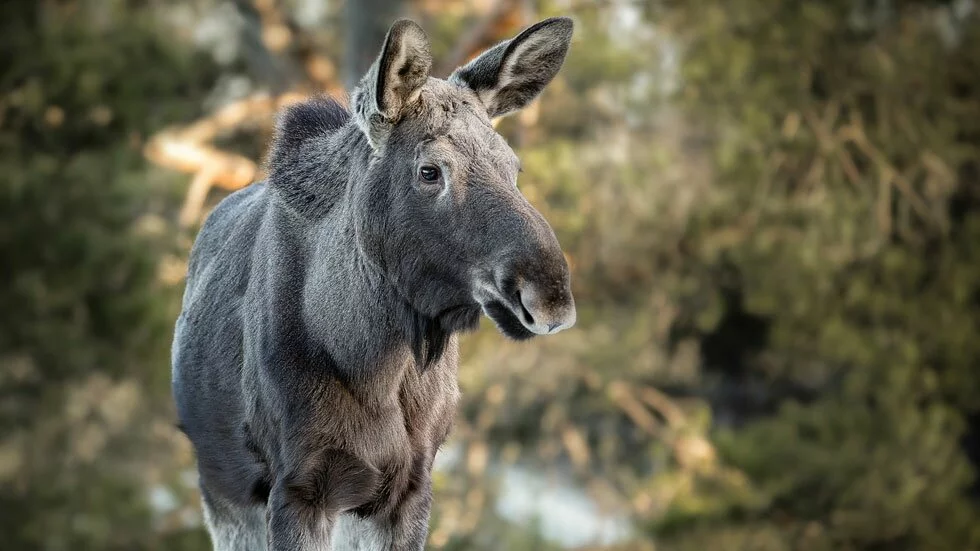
column 510, row 75
column 394, row 81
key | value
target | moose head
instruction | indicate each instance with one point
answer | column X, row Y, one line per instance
column 439, row 211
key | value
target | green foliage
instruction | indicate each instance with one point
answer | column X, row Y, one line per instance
column 840, row 146
column 85, row 339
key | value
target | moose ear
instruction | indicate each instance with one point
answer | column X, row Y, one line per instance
column 510, row 75
column 394, row 81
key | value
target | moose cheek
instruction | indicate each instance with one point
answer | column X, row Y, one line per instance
column 430, row 190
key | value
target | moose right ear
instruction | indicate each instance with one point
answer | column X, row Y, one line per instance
column 510, row 75
column 393, row 82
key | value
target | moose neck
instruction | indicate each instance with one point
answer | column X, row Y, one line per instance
column 347, row 306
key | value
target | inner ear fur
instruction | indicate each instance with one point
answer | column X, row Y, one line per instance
column 394, row 81
column 510, row 75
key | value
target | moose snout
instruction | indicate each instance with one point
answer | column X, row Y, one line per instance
column 543, row 312
column 525, row 286
column 523, row 307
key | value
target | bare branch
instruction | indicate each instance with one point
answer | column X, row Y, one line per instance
column 188, row 150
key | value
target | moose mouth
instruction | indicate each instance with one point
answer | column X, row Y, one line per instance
column 507, row 322
column 465, row 317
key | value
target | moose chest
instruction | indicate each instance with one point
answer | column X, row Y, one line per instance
column 384, row 428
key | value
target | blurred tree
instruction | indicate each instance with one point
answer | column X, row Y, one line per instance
column 84, row 341
column 366, row 26
column 845, row 144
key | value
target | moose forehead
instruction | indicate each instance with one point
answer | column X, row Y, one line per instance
column 452, row 124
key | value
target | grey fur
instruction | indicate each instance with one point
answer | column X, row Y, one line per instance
column 232, row 527
column 315, row 357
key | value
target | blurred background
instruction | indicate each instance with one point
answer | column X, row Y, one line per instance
column 771, row 209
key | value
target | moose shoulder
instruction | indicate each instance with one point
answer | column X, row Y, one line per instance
column 315, row 357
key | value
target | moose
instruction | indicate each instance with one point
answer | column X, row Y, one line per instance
column 316, row 353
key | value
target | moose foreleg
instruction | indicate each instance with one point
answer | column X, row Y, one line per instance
column 411, row 521
column 231, row 527
column 408, row 523
column 405, row 529
column 305, row 504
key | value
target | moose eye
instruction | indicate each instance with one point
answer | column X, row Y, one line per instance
column 429, row 173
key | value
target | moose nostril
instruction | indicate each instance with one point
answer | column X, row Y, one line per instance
column 528, row 318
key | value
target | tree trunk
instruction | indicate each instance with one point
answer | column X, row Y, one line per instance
column 367, row 24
